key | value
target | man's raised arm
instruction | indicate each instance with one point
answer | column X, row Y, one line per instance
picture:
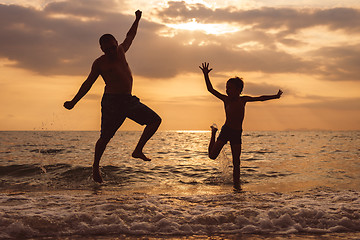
column 132, row 32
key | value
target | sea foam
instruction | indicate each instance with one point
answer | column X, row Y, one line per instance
column 27, row 215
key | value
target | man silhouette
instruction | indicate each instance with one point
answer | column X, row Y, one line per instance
column 117, row 103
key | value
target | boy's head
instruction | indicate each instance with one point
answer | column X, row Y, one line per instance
column 108, row 44
column 234, row 86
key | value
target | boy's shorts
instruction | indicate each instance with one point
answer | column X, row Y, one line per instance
column 115, row 108
column 229, row 134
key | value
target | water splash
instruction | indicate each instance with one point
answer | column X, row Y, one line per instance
column 225, row 166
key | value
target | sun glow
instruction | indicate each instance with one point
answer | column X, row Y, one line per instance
column 216, row 29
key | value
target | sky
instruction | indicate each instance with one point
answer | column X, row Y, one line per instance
column 309, row 49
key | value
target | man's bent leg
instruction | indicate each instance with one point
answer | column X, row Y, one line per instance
column 148, row 132
column 143, row 115
column 99, row 150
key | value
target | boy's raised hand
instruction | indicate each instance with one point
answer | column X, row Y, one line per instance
column 205, row 68
column 279, row 93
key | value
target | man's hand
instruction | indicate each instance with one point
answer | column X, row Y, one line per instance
column 138, row 14
column 205, row 68
column 279, row 93
column 69, row 105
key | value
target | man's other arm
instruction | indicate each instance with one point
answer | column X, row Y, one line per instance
column 85, row 87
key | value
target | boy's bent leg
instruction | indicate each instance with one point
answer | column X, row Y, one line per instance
column 148, row 132
column 214, row 129
column 216, row 146
column 99, row 150
column 236, row 152
column 216, row 149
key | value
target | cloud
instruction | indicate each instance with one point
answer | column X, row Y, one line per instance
column 56, row 40
column 338, row 63
column 160, row 57
column 266, row 17
column 62, row 39
column 84, row 8
column 331, row 103
column 267, row 27
column 257, row 89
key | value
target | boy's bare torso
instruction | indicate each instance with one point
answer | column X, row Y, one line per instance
column 235, row 111
column 115, row 72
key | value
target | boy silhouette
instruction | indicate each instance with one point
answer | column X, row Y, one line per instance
column 117, row 102
column 234, row 105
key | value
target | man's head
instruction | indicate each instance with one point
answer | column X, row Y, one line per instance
column 108, row 44
column 234, row 86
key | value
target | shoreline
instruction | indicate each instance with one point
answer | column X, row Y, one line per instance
column 327, row 236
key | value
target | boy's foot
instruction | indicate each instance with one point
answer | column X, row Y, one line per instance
column 96, row 175
column 141, row 155
column 238, row 190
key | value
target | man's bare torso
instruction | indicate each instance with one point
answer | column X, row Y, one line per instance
column 116, row 73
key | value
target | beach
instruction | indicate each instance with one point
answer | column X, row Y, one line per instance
column 295, row 185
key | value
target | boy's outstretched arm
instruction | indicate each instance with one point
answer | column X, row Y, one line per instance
column 132, row 32
column 205, row 69
column 264, row 97
column 85, row 87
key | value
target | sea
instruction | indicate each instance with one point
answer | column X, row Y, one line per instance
column 295, row 185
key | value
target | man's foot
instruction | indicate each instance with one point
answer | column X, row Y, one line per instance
column 141, row 155
column 214, row 128
column 237, row 188
column 96, row 175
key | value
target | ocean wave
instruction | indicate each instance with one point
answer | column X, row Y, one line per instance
column 33, row 177
column 63, row 215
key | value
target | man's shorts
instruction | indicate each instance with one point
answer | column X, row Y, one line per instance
column 115, row 108
column 229, row 134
